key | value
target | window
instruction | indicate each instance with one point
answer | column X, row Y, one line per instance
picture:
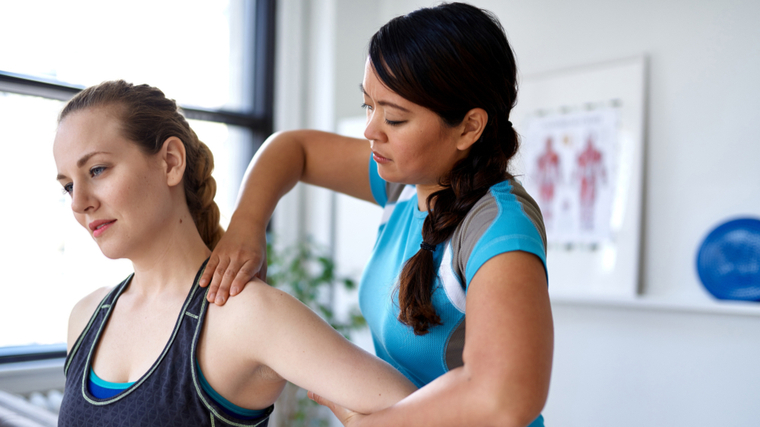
column 215, row 58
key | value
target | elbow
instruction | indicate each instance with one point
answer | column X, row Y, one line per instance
column 500, row 413
column 510, row 407
column 517, row 418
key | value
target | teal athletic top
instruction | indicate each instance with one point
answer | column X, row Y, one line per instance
column 505, row 219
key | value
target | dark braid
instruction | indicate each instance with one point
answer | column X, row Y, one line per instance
column 450, row 59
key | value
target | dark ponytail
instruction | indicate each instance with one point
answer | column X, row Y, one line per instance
column 450, row 59
column 148, row 118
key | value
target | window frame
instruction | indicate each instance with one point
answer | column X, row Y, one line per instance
column 259, row 120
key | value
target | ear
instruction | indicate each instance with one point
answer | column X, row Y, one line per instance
column 173, row 155
column 472, row 126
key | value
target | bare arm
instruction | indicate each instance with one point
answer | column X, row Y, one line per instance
column 507, row 356
column 320, row 158
column 265, row 326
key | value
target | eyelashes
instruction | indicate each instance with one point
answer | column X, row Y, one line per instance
column 388, row 122
column 97, row 170
column 68, row 188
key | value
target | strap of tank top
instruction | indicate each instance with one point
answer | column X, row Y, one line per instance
column 105, row 303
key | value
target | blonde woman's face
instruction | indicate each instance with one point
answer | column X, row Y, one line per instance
column 118, row 194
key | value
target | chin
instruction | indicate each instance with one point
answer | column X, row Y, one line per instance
column 112, row 252
column 396, row 176
column 387, row 175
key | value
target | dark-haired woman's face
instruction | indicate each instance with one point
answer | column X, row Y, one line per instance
column 410, row 143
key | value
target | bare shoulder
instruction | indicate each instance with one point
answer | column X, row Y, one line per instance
column 271, row 314
column 82, row 312
column 259, row 302
column 262, row 316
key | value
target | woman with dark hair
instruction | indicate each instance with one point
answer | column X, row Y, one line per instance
column 152, row 351
column 459, row 234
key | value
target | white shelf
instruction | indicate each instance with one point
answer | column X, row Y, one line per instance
column 646, row 303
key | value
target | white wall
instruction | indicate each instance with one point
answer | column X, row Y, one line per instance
column 649, row 363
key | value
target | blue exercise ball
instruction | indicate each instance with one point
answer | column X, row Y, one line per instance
column 728, row 261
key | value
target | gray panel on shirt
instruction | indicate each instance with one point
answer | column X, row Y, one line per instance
column 480, row 218
column 466, row 236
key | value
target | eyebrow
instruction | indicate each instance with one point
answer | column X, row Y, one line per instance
column 383, row 103
column 82, row 161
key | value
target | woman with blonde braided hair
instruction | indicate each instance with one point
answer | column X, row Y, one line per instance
column 455, row 292
column 151, row 351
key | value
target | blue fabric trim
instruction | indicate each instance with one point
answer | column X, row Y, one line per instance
column 538, row 422
column 500, row 246
column 102, row 392
column 377, row 184
column 103, row 389
column 228, row 406
column 107, row 384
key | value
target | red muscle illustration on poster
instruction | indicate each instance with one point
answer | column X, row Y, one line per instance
column 590, row 170
column 570, row 166
column 548, row 176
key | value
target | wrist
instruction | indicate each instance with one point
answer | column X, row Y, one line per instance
column 247, row 221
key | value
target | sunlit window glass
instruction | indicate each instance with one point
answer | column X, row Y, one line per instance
column 192, row 49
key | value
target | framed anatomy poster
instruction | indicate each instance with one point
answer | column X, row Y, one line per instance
column 581, row 158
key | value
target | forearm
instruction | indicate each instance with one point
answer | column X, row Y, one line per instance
column 319, row 158
column 275, row 169
column 312, row 355
column 459, row 398
column 364, row 383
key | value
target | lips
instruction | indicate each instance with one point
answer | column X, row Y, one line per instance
column 380, row 159
column 99, row 227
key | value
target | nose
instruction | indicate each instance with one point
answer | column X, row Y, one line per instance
column 82, row 200
column 373, row 131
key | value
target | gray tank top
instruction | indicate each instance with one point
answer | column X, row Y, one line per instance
column 169, row 394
